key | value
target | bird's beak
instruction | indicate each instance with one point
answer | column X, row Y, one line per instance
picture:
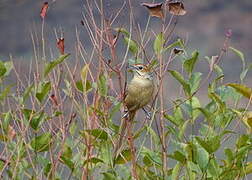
column 131, row 68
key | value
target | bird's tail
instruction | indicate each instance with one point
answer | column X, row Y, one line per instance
column 125, row 122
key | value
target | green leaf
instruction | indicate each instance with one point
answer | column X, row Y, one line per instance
column 83, row 89
column 123, row 157
column 190, row 63
column 27, row 93
column 98, row 133
column 44, row 90
column 5, row 92
column 171, row 119
column 181, row 80
column 93, row 160
column 175, row 171
column 182, row 129
column 178, row 42
column 210, row 145
column 179, row 156
column 47, row 169
column 49, row 66
column 84, row 72
column 229, row 155
column 37, row 120
column 6, row 122
column 66, row 157
column 102, row 85
column 242, row 141
column 244, row 72
column 194, row 81
column 41, row 143
column 153, row 156
column 242, row 89
column 3, row 69
column 206, row 113
column 240, row 54
column 213, row 168
column 191, row 107
column 133, row 47
column 9, row 66
column 202, row 158
column 158, row 43
column 123, row 30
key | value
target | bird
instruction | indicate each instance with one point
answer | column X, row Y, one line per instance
column 139, row 93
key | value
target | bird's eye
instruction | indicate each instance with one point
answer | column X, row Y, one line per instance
column 140, row 67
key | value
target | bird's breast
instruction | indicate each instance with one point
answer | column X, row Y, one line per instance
column 139, row 93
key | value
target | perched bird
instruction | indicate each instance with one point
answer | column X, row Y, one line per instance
column 139, row 93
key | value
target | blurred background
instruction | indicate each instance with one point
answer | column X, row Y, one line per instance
column 204, row 26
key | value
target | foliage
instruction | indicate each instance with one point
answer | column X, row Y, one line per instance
column 61, row 124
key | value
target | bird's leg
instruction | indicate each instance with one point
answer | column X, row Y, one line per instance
column 126, row 113
column 148, row 113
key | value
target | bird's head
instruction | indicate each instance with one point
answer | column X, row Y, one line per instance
column 141, row 70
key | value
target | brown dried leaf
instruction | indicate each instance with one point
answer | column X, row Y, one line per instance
column 44, row 10
column 61, row 45
column 176, row 8
column 155, row 9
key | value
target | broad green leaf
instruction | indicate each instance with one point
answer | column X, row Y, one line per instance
column 93, row 160
column 240, row 54
column 242, row 141
column 102, row 85
column 83, row 89
column 171, row 119
column 179, row 156
column 152, row 155
column 44, row 89
column 178, row 115
column 191, row 107
column 66, row 156
column 210, row 145
column 213, row 168
column 182, row 129
column 190, row 63
column 133, row 47
column 123, row 157
column 206, row 113
column 216, row 98
column 194, row 81
column 98, row 133
column 229, row 155
column 202, row 158
column 175, row 171
column 49, row 66
column 41, row 143
column 37, row 120
column 158, row 43
column 47, row 169
column 109, row 176
column 181, row 80
column 242, row 89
